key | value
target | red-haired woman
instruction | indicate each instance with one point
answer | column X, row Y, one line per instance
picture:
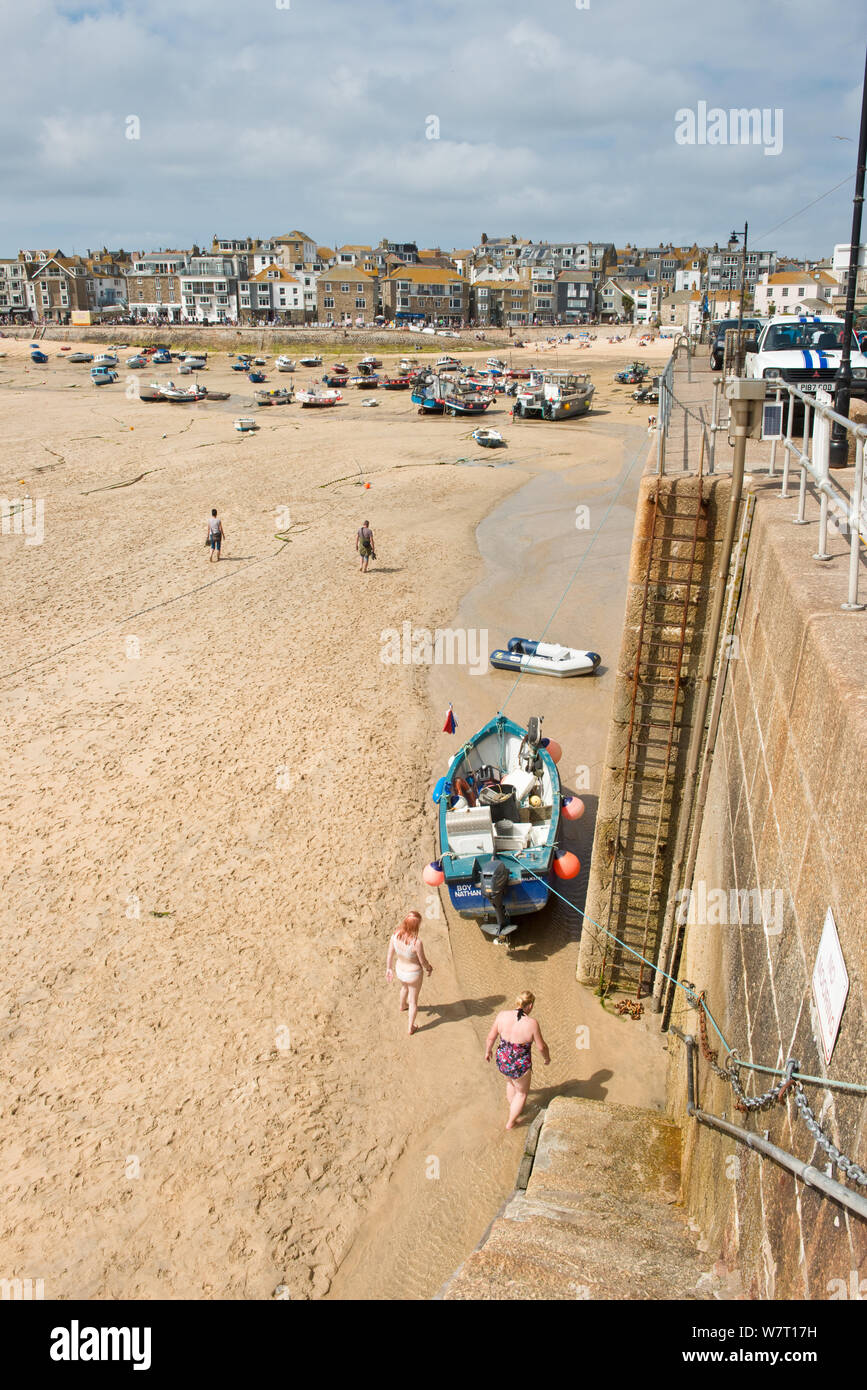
column 411, row 964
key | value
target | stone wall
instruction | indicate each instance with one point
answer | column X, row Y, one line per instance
column 785, row 815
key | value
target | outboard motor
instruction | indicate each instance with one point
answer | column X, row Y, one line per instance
column 528, row 754
column 493, row 883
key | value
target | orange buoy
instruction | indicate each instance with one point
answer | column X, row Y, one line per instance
column 433, row 874
column 553, row 749
column 573, row 808
column 567, row 865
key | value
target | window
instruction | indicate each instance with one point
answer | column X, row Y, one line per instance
column 344, row 289
column 328, row 303
column 328, row 286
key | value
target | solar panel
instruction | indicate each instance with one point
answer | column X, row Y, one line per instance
column 772, row 421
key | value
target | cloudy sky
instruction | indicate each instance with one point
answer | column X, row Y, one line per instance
column 554, row 121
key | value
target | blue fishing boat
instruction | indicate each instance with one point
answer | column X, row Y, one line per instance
column 161, row 357
column 37, row 356
column 427, row 394
column 102, row 376
column 499, row 817
column 257, row 377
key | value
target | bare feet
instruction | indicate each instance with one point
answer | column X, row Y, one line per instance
column 413, row 1029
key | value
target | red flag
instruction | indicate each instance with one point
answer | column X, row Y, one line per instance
column 451, row 723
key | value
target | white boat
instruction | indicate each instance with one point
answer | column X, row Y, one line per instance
column 314, row 360
column 285, row 364
column 171, row 392
column 278, row 396
column 105, row 359
column 371, row 400
column 557, row 395
column 78, row 357
column 195, row 363
column 245, row 423
column 317, row 396
column 370, row 361
column 489, row 439
column 545, row 659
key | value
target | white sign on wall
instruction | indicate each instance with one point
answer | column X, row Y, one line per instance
column 830, row 985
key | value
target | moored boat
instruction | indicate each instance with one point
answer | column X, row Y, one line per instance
column 102, row 376
column 315, row 397
column 81, row 357
column 397, row 383
column 285, row 364
column 161, row 357
column 105, row 359
column 257, row 377
column 38, row 357
column 137, row 362
column 182, row 394
column 489, row 439
column 545, row 659
column 245, row 423
column 499, row 816
column 278, row 396
column 557, row 395
column 460, row 400
column 311, row 360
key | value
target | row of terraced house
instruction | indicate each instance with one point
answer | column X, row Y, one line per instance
column 501, row 282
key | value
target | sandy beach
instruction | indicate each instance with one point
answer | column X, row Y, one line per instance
column 219, row 807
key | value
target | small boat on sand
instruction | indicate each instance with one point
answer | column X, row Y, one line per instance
column 489, row 439
column 81, row 357
column 285, row 364
column 257, row 377
column 182, row 394
column 137, row 362
column 279, row 396
column 245, row 424
column 545, row 659
column 38, row 357
column 207, row 395
column 397, row 383
column 105, row 359
column 102, row 376
column 312, row 360
column 315, row 397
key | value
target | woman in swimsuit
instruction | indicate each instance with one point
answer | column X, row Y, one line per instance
column 411, row 964
column 514, row 1034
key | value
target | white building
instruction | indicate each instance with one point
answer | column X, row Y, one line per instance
column 793, row 292
column 13, row 289
column 272, row 293
column 209, row 289
column 688, row 278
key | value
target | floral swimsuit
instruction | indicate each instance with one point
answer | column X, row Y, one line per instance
column 514, row 1059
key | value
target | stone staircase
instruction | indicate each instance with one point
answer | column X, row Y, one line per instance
column 599, row 1218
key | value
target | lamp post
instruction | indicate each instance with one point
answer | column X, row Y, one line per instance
column 839, row 446
column 736, row 236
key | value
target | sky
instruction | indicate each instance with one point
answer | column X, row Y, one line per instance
column 425, row 120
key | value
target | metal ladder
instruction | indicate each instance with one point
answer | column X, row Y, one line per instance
column 657, row 733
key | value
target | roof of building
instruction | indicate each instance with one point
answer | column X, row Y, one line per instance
column 797, row 277
column 292, row 236
column 347, row 272
column 426, row 275
column 274, row 272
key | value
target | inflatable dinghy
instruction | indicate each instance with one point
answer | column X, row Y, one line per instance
column 545, row 659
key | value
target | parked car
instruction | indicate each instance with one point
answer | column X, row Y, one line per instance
column 805, row 351
column 751, row 327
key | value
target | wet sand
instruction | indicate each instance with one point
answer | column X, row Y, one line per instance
column 219, row 807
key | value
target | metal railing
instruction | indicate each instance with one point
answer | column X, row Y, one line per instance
column 812, row 456
column 844, row 511
column 805, row 1172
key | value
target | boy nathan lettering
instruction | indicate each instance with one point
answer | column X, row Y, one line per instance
column 77, row 1343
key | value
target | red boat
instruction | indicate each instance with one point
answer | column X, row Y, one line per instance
column 397, row 383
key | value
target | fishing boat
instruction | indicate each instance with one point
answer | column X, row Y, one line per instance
column 499, row 817
column 372, row 401
column 81, row 357
column 285, row 364
column 245, row 423
column 427, row 394
column 242, row 365
column 137, row 362
column 316, row 397
column 182, row 394
column 257, row 377
column 397, row 383
column 312, row 360
column 207, row 395
column 459, row 400
column 279, row 396
column 545, row 659
column 497, row 365
column 161, row 357
column 489, row 439
column 150, row 394
column 366, row 382
column 554, row 395
column 448, row 364
column 39, row 357
column 102, row 376
column 336, row 379
column 196, row 362
column 105, row 359
column 370, row 361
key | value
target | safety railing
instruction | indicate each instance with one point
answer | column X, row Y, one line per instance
column 807, row 1173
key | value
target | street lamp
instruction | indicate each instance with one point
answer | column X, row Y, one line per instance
column 735, row 237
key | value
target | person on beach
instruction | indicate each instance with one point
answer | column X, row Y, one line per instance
column 515, row 1034
column 216, row 535
column 411, row 964
column 365, row 546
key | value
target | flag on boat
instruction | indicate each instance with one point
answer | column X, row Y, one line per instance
column 451, row 723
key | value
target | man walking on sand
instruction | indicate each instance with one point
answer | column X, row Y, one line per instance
column 216, row 535
column 365, row 546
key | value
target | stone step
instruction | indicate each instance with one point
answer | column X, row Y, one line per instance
column 600, row 1217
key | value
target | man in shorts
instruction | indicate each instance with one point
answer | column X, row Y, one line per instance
column 216, row 535
column 364, row 545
